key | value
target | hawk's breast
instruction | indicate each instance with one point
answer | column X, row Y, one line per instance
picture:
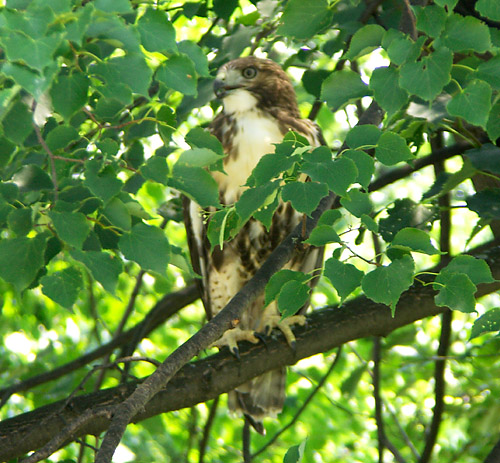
column 250, row 135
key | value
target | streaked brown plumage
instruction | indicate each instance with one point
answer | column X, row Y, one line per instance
column 259, row 108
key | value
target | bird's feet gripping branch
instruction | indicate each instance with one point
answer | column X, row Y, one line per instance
column 269, row 321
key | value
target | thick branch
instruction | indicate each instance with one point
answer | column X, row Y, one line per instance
column 206, row 379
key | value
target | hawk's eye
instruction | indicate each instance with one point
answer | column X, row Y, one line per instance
column 249, row 72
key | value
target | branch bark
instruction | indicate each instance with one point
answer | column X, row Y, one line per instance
column 205, row 379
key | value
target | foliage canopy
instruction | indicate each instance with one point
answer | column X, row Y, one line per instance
column 102, row 109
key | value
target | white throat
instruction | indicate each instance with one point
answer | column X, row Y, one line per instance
column 239, row 101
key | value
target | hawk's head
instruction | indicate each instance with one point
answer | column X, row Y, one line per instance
column 249, row 82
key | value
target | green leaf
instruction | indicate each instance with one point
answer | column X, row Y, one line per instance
column 21, row 259
column 363, row 135
column 156, row 169
column 485, row 203
column 104, row 267
column 278, row 280
column 178, row 73
column 117, row 75
column 427, row 77
column 115, row 29
column 323, row 234
column 304, row 197
column 345, row 278
column 118, row 214
column 36, row 53
column 271, row 166
column 197, row 56
column 493, row 125
column 199, row 157
column 20, row 221
column 148, row 246
column 489, row 9
column 473, row 103
column 304, row 19
column 476, row 269
column 157, row 32
column 464, row 33
column 63, row 287
column 292, row 297
column 386, row 284
column 69, row 93
column 223, row 226
column 401, row 49
column 490, row 321
column 108, row 146
column 485, row 158
column 341, row 87
column 201, row 138
column 338, row 174
column 265, row 214
column 61, row 137
column 357, row 202
column 369, row 223
column 457, row 293
column 385, row 85
column 113, row 6
column 430, row 19
column 416, row 240
column 295, row 453
column 364, row 164
column 448, row 4
column 32, row 178
column 489, row 71
column 17, row 123
column 71, row 227
column 196, row 183
column 224, row 8
column 313, row 79
column 329, row 217
column 76, row 29
column 364, row 41
column 401, row 215
column 101, row 181
column 392, row 148
column 253, row 199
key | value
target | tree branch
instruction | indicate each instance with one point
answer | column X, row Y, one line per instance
column 206, row 379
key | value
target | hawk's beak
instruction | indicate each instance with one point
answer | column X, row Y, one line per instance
column 221, row 89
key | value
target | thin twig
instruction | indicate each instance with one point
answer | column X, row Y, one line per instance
column 206, row 429
column 303, row 406
column 379, row 419
column 53, row 172
column 161, row 311
column 446, row 319
column 246, row 441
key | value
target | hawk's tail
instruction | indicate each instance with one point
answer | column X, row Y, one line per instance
column 261, row 397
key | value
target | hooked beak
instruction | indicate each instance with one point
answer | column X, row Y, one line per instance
column 221, row 89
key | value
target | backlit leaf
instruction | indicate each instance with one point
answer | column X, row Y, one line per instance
column 345, row 278
column 386, row 284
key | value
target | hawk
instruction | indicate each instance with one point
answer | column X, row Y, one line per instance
column 259, row 108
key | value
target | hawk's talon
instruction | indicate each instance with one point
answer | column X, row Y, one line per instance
column 231, row 338
column 275, row 321
column 262, row 338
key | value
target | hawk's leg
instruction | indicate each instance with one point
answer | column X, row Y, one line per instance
column 231, row 338
column 272, row 319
